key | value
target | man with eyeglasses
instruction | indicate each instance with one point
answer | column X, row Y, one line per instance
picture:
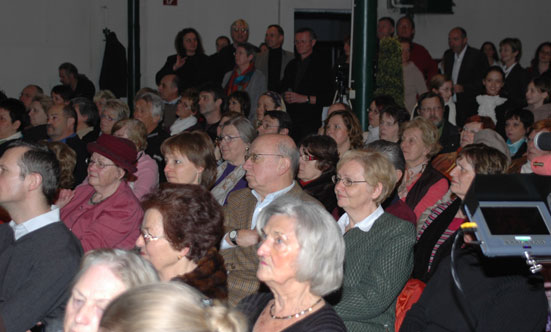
column 271, row 165
column 39, row 256
column 307, row 85
column 275, row 122
column 431, row 107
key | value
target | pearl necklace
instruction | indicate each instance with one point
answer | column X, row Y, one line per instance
column 297, row 315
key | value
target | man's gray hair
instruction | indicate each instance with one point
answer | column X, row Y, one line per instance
column 291, row 152
column 131, row 269
column 156, row 103
column 321, row 257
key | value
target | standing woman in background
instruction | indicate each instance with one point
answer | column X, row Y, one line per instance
column 489, row 49
column 541, row 62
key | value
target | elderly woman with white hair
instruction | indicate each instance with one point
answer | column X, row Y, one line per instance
column 301, row 260
column 103, row 275
column 379, row 246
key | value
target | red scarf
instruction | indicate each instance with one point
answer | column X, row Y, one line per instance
column 239, row 82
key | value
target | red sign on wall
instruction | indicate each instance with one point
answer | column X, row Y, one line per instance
column 170, row 2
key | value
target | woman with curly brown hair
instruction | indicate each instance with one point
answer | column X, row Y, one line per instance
column 344, row 127
column 182, row 246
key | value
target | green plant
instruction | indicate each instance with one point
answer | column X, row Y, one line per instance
column 389, row 76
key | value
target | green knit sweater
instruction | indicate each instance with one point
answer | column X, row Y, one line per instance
column 377, row 265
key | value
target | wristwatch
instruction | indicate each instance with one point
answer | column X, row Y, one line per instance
column 233, row 237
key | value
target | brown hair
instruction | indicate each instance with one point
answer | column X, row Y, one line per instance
column 67, row 159
column 135, row 130
column 193, row 95
column 486, row 121
column 192, row 217
column 352, row 125
column 324, row 148
column 199, row 149
column 484, row 159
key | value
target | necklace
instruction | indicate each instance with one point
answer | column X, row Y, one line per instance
column 297, row 315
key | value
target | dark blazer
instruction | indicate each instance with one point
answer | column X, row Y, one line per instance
column 81, row 169
column 262, row 59
column 317, row 81
column 472, row 71
column 450, row 138
column 323, row 189
column 515, row 85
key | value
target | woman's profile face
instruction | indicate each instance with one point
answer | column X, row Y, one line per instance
column 89, row 298
column 37, row 114
column 462, row 177
column 307, row 169
column 107, row 120
column 373, row 115
column 493, row 82
column 467, row 133
column 179, row 169
column 278, row 251
column 337, row 130
column 389, row 129
column 445, row 90
column 265, row 103
column 102, row 172
column 154, row 245
column 184, row 108
column 414, row 149
column 232, row 146
column 534, row 96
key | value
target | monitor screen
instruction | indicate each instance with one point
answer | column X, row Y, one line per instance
column 511, row 220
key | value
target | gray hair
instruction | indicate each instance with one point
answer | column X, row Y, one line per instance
column 156, row 103
column 244, row 127
column 321, row 256
column 131, row 269
column 391, row 151
column 170, row 306
column 291, row 152
column 119, row 106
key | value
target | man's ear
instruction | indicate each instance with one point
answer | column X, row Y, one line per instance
column 34, row 181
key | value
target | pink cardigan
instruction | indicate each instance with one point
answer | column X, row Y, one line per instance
column 113, row 223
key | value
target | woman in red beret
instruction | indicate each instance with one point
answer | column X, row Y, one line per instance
column 104, row 213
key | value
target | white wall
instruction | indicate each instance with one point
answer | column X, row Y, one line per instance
column 38, row 35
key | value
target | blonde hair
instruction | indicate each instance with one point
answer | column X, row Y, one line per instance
column 135, row 130
column 119, row 106
column 169, row 306
column 377, row 169
column 429, row 134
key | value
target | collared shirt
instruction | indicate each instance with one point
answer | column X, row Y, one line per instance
column 17, row 135
column 364, row 225
column 35, row 223
column 458, row 59
column 65, row 139
column 506, row 70
column 260, row 205
column 172, row 102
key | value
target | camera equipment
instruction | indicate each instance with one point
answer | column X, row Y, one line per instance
column 542, row 140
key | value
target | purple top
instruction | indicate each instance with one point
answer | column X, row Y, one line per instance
column 242, row 183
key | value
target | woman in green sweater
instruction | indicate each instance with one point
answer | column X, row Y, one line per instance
column 379, row 246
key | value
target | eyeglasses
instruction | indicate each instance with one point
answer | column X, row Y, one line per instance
column 148, row 237
column 227, row 138
column 240, row 29
column 98, row 163
column 107, row 117
column 255, row 156
column 306, row 157
column 346, row 182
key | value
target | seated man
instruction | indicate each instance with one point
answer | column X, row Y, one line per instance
column 271, row 167
column 28, row 93
column 431, row 107
column 61, row 94
column 39, row 256
column 13, row 116
column 275, row 122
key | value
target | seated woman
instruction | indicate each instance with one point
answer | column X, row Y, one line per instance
column 189, row 159
column 190, row 63
column 39, row 118
column 445, row 162
column 104, row 213
column 433, row 240
column 146, row 178
column 317, row 165
column 391, row 119
column 538, row 95
column 422, row 185
column 181, row 230
column 103, row 275
column 379, row 246
column 187, row 107
column 444, row 87
column 301, row 260
column 245, row 77
column 375, row 108
column 236, row 136
column 269, row 101
column 541, row 62
column 517, row 124
column 344, row 127
column 240, row 102
column 101, row 97
column 67, row 159
column 114, row 111
column 162, row 307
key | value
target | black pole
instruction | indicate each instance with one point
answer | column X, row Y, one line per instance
column 133, row 50
column 363, row 55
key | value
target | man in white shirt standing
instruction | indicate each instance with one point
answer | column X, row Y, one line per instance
column 39, row 256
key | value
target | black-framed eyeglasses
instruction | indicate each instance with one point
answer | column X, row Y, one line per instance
column 306, row 157
column 99, row 164
column 227, row 138
column 255, row 156
column 345, row 181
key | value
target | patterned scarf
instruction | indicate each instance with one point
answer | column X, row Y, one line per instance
column 239, row 82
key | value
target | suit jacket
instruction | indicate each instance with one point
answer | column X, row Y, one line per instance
column 515, row 85
column 242, row 262
column 472, row 71
column 261, row 63
column 450, row 138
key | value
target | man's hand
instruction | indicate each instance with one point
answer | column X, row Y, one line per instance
column 458, row 88
column 180, row 61
column 247, row 237
column 293, row 97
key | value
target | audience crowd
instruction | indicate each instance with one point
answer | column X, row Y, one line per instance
column 224, row 201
